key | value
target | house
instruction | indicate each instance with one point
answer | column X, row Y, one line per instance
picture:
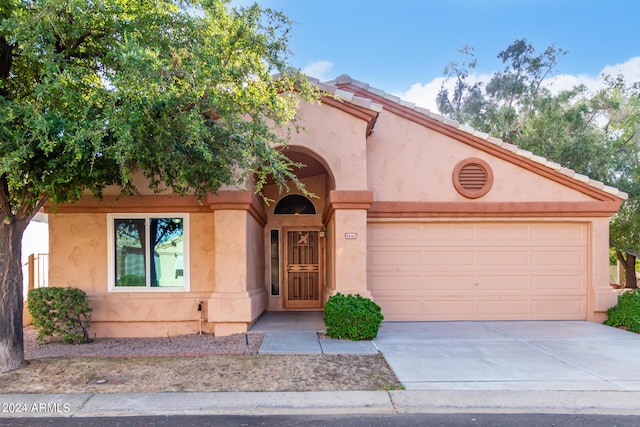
column 431, row 219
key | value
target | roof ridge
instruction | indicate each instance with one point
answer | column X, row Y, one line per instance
column 346, row 96
column 570, row 173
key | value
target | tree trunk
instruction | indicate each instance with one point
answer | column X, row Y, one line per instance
column 11, row 337
column 630, row 272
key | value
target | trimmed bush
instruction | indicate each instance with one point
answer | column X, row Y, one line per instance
column 626, row 314
column 352, row 317
column 60, row 312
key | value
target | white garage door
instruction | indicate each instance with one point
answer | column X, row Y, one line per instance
column 478, row 271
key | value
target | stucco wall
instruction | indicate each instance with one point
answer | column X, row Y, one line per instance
column 408, row 162
column 601, row 295
column 78, row 251
column 339, row 139
column 255, row 255
column 78, row 258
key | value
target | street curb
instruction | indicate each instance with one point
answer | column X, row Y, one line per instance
column 319, row 403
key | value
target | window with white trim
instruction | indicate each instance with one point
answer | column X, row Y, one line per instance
column 148, row 252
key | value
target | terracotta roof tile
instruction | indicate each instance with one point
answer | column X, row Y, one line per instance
column 524, row 153
column 539, row 159
column 344, row 95
column 481, row 135
column 555, row 166
column 345, row 79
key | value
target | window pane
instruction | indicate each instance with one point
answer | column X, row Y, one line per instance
column 167, row 251
column 275, row 262
column 294, row 204
column 129, row 237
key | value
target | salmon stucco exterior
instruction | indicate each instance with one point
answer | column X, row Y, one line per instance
column 431, row 219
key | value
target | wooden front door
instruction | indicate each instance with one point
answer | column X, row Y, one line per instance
column 302, row 272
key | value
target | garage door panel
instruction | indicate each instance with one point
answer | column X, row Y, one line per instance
column 558, row 309
column 448, row 309
column 507, row 259
column 466, row 271
column 560, row 284
column 395, row 283
column 447, row 284
column 400, row 310
column 504, row 284
column 439, row 260
column 567, row 233
column 501, row 309
column 446, row 235
column 503, row 235
column 395, row 233
column 570, row 258
column 395, row 260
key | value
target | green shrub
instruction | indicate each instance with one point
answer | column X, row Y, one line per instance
column 352, row 317
column 61, row 312
column 626, row 313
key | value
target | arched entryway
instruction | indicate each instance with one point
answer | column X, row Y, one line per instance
column 296, row 249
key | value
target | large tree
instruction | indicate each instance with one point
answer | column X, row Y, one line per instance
column 625, row 128
column 93, row 91
column 501, row 105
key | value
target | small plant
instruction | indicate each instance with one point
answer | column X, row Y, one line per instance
column 352, row 317
column 625, row 314
column 62, row 312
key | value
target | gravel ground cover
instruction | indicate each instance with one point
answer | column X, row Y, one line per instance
column 187, row 363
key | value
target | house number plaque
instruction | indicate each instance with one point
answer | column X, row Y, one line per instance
column 350, row 235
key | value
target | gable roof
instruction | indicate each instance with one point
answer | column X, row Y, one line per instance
column 344, row 89
column 357, row 106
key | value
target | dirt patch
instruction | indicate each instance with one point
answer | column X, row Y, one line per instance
column 213, row 364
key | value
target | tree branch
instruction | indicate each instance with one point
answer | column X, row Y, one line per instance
column 37, row 208
column 6, row 60
column 5, row 206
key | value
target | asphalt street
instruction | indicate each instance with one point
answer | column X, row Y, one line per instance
column 405, row 420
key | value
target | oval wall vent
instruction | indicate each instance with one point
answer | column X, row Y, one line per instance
column 472, row 178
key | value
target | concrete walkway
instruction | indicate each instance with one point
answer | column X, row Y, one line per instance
column 308, row 342
column 518, row 355
column 297, row 332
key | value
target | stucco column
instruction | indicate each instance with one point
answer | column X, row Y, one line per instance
column 601, row 295
column 351, row 252
column 348, row 214
column 236, row 302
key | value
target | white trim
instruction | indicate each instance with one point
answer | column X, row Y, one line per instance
column 111, row 252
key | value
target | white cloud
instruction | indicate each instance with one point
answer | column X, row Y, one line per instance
column 319, row 70
column 630, row 69
column 424, row 95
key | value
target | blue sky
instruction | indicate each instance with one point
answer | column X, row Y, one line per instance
column 402, row 46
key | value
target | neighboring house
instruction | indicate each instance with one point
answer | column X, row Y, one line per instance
column 430, row 218
column 35, row 242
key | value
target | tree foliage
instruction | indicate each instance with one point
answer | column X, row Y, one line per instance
column 501, row 106
column 596, row 134
column 91, row 92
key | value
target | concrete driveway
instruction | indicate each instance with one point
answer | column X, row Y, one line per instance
column 511, row 355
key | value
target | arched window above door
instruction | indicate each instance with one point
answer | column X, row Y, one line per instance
column 294, row 204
